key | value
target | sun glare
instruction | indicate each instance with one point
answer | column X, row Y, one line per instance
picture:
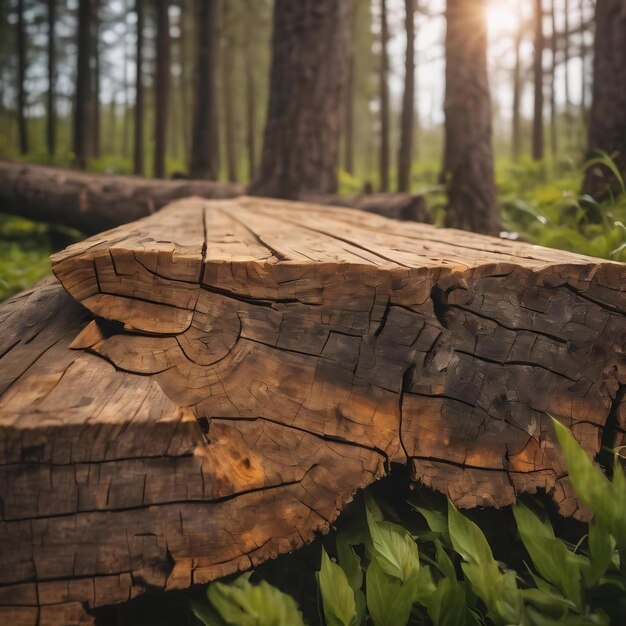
column 502, row 17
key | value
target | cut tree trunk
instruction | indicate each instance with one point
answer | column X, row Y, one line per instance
column 215, row 382
column 95, row 202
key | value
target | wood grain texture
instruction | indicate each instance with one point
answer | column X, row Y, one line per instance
column 218, row 380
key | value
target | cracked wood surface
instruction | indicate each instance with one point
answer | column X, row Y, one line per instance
column 217, row 380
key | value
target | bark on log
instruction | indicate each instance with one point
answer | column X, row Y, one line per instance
column 92, row 203
column 215, row 381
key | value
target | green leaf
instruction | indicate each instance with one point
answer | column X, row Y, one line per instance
column 349, row 561
column 393, row 548
column 389, row 601
column 337, row 595
column 448, row 607
column 551, row 556
column 206, row 614
column 497, row 590
column 241, row 603
column 606, row 499
column 601, row 551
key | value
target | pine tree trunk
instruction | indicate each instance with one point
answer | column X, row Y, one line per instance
column 538, row 140
column 384, row 99
column 96, row 79
column 204, row 137
column 162, row 86
column 566, row 61
column 51, row 138
column 349, row 118
column 227, row 92
column 82, row 104
column 310, row 44
column 405, row 155
column 607, row 122
column 553, row 111
column 516, row 142
column 583, row 71
column 138, row 157
column 250, row 97
column 125, row 124
column 21, row 78
column 468, row 160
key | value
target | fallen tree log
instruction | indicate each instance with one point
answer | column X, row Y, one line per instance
column 92, row 203
column 210, row 385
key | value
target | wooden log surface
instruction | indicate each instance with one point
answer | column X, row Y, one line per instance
column 215, row 382
column 92, row 203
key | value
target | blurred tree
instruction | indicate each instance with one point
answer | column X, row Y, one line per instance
column 538, row 140
column 83, row 106
column 384, row 98
column 405, row 154
column 51, row 113
column 310, row 44
column 95, row 26
column 349, row 101
column 204, row 162
column 229, row 48
column 553, row 66
column 250, row 89
column 21, row 78
column 607, row 123
column 161, row 85
column 468, row 160
column 520, row 31
column 138, row 157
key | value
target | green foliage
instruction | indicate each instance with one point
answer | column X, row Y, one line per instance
column 24, row 250
column 549, row 211
column 242, row 603
column 386, row 575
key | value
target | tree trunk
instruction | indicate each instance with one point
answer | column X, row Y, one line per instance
column 349, row 117
column 227, row 92
column 238, row 369
column 51, row 135
column 516, row 142
column 204, row 161
column 538, row 140
column 553, row 111
column 468, row 161
column 405, row 154
column 384, row 99
column 250, row 91
column 607, row 123
column 138, row 158
column 566, row 62
column 161, row 86
column 583, row 71
column 250, row 94
column 310, row 44
column 125, row 103
column 96, row 79
column 22, row 99
column 83, row 112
